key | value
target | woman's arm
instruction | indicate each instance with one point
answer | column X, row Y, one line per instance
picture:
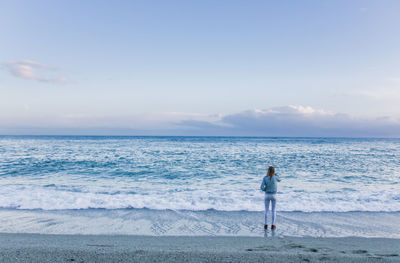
column 277, row 178
column 263, row 186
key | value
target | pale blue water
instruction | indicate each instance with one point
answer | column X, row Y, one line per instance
column 60, row 179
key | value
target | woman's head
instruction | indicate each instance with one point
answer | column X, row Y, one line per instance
column 271, row 171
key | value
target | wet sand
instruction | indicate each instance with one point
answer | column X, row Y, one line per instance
column 113, row 248
column 147, row 222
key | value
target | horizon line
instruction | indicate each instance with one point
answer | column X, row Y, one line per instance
column 204, row 136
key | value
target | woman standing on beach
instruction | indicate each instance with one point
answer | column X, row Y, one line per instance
column 270, row 185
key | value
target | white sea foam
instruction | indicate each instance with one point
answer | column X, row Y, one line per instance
column 34, row 197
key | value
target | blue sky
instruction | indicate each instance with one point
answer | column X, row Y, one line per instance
column 310, row 68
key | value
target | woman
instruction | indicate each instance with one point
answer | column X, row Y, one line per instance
column 269, row 186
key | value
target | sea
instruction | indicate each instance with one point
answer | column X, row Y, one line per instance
column 196, row 186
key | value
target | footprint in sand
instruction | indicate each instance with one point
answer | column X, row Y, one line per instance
column 388, row 255
column 359, row 251
column 262, row 249
column 294, row 246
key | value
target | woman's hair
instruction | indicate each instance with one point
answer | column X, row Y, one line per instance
column 271, row 171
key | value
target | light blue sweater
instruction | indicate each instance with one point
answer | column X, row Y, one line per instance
column 270, row 185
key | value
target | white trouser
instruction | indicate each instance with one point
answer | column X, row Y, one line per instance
column 270, row 198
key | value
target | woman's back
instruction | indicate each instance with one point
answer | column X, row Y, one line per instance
column 269, row 184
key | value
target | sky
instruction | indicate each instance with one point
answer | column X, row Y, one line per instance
column 246, row 68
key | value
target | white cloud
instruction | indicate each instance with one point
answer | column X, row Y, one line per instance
column 298, row 121
column 33, row 70
column 291, row 109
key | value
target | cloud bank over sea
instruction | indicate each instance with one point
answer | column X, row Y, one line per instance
column 298, row 121
column 278, row 121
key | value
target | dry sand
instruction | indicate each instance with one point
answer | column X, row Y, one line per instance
column 103, row 248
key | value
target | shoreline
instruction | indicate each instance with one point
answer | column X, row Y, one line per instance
column 134, row 248
column 147, row 222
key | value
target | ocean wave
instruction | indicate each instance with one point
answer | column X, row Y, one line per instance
column 31, row 197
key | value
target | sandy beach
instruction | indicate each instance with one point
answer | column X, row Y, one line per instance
column 103, row 248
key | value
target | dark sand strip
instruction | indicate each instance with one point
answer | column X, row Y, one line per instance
column 87, row 248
